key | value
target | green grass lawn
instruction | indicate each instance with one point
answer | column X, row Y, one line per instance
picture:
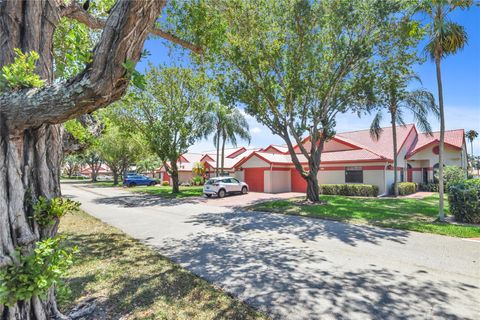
column 408, row 214
column 132, row 281
column 166, row 191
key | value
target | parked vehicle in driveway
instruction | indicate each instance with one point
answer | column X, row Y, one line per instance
column 138, row 180
column 221, row 186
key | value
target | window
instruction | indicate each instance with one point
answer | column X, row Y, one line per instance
column 233, row 180
column 353, row 175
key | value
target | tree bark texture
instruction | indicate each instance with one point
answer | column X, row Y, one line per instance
column 30, row 134
column 174, row 176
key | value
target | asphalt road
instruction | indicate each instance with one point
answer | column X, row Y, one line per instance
column 300, row 268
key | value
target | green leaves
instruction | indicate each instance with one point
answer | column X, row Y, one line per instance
column 138, row 79
column 21, row 73
column 47, row 211
column 36, row 272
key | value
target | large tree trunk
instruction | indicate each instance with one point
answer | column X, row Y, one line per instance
column 174, row 176
column 115, row 178
column 30, row 133
column 441, row 212
column 313, row 190
column 218, row 153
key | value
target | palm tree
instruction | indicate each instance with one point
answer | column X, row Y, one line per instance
column 234, row 125
column 471, row 135
column 419, row 102
column 445, row 38
column 226, row 123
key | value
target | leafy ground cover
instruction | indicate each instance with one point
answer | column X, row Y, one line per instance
column 407, row 214
column 132, row 281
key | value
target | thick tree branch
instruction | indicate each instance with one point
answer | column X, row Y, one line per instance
column 102, row 82
column 75, row 11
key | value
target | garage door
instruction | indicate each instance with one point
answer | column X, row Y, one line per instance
column 254, row 178
column 298, row 183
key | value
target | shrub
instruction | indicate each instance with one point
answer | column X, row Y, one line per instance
column 464, row 199
column 429, row 187
column 405, row 188
column 165, row 183
column 36, row 272
column 453, row 175
column 359, row 190
column 197, row 181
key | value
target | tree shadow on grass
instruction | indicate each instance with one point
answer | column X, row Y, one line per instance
column 299, row 282
column 127, row 278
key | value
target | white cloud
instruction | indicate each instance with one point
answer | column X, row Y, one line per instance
column 255, row 130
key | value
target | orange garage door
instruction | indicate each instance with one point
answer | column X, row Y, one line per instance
column 298, row 183
column 254, row 179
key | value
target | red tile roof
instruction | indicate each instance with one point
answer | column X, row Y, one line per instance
column 453, row 138
column 382, row 146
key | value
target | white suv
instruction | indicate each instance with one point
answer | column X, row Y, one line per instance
column 220, row 186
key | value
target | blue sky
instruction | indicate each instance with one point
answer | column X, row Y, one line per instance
column 460, row 76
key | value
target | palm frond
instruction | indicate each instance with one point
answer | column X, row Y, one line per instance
column 375, row 127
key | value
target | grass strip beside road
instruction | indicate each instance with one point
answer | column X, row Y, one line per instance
column 401, row 213
column 166, row 191
column 132, row 281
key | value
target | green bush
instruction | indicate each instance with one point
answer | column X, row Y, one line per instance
column 359, row 190
column 405, row 188
column 453, row 175
column 429, row 187
column 197, row 181
column 36, row 272
column 165, row 183
column 464, row 199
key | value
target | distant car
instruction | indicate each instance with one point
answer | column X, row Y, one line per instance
column 104, row 178
column 221, row 186
column 80, row 175
column 138, row 180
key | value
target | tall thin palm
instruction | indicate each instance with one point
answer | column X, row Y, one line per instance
column 235, row 124
column 471, row 135
column 445, row 38
column 418, row 102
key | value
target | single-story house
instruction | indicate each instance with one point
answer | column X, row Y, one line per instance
column 188, row 160
column 355, row 157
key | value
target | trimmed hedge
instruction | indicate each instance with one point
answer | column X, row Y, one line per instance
column 464, row 199
column 429, row 187
column 165, row 183
column 405, row 188
column 359, row 190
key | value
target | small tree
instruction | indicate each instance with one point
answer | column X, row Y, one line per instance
column 169, row 113
column 471, row 135
column 118, row 150
column 72, row 164
column 94, row 161
column 148, row 163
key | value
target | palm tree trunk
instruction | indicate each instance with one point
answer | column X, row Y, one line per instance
column 395, row 160
column 441, row 212
column 218, row 152
column 224, row 137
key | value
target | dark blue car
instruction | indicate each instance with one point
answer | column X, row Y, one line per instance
column 138, row 180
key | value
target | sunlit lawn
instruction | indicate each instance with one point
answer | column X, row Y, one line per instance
column 132, row 281
column 408, row 214
column 166, row 191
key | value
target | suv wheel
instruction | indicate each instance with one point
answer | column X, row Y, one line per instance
column 221, row 193
column 208, row 195
column 244, row 190
column 132, row 184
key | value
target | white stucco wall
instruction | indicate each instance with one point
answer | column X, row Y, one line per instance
column 185, row 177
column 239, row 175
column 255, row 162
column 331, row 176
column 376, row 178
column 453, row 157
column 405, row 148
column 280, row 181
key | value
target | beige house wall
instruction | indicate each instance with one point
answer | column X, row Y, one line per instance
column 239, row 175
column 255, row 162
column 280, row 181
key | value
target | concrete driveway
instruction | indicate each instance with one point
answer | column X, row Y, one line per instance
column 300, row 268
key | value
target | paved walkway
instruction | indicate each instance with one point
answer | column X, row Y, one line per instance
column 301, row 268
